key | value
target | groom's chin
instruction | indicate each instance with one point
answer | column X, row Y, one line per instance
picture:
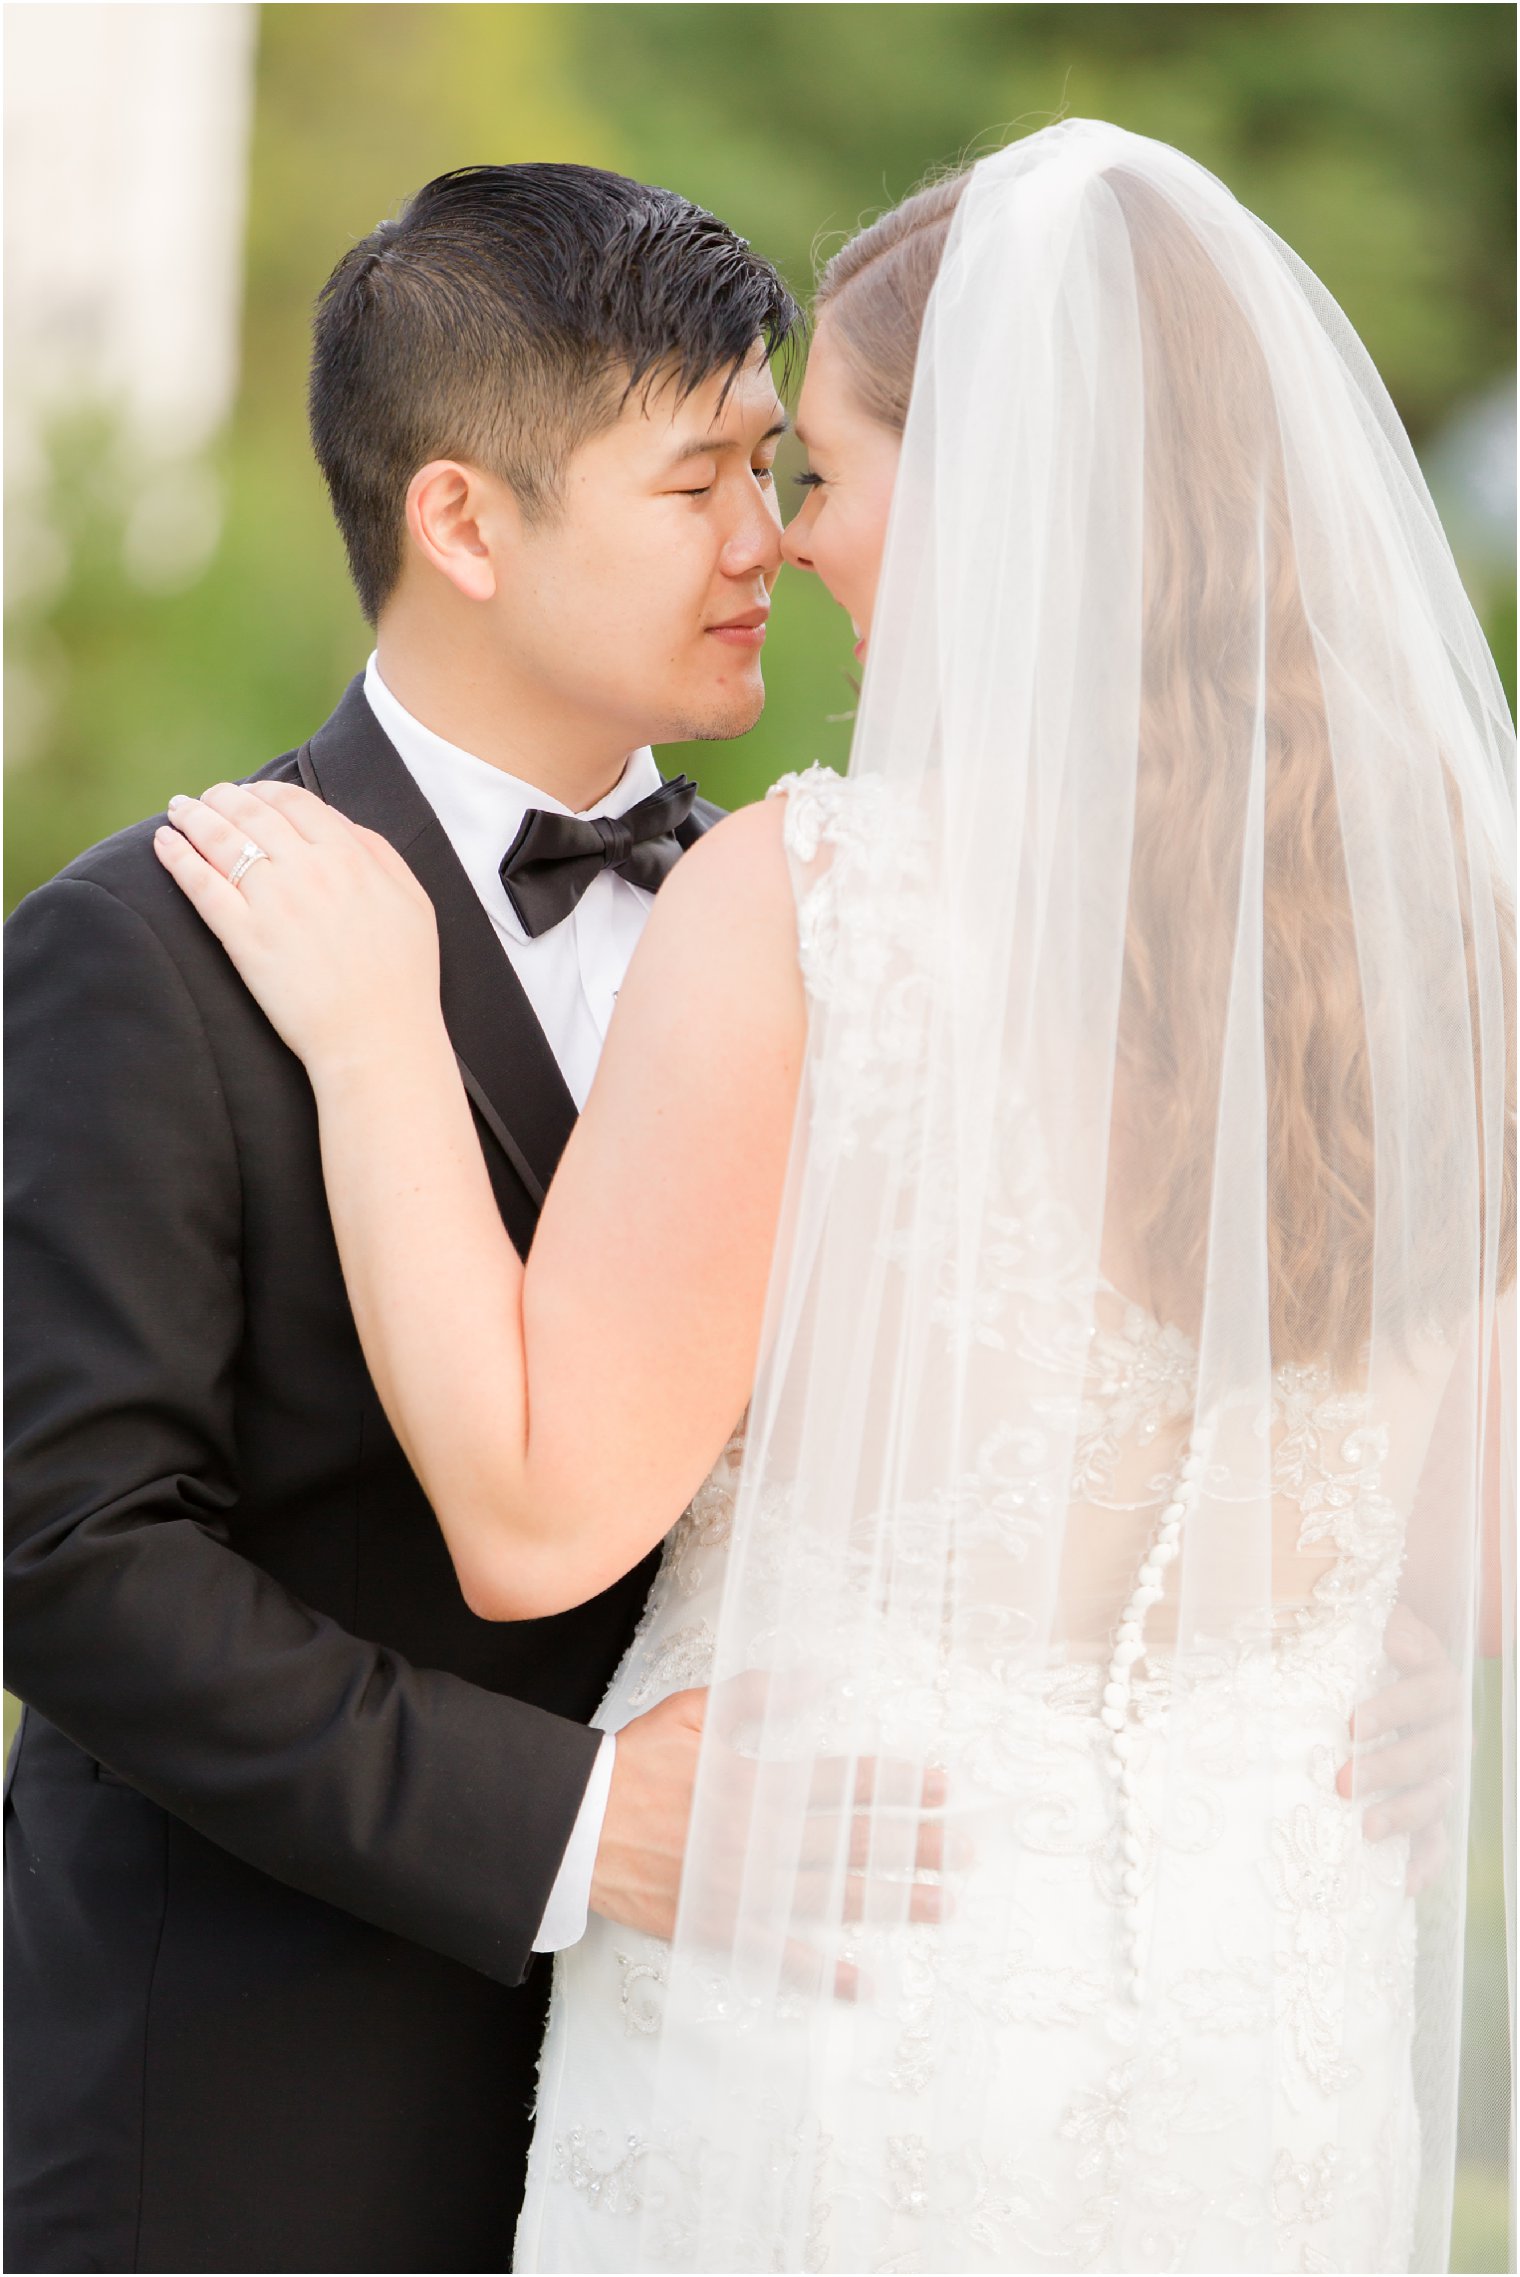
column 735, row 715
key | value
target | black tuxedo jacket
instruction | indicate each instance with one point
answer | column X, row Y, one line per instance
column 284, row 1815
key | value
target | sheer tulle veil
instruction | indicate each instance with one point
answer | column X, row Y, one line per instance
column 1169, row 975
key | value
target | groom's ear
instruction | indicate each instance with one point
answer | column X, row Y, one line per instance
column 464, row 523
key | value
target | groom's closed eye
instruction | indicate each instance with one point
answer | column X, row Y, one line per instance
column 760, row 473
column 763, row 470
column 711, row 449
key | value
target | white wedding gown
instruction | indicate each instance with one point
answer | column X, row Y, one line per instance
column 1092, row 2150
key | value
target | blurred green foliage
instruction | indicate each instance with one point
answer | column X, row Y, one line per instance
column 1377, row 139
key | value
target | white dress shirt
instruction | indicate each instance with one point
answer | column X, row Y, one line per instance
column 571, row 976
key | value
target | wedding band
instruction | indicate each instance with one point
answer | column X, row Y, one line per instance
column 245, row 862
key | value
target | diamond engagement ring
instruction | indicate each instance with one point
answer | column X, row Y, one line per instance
column 245, row 862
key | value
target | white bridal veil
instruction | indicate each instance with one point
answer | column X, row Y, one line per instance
column 1133, row 1343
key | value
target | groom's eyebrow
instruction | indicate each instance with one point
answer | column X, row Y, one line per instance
column 707, row 446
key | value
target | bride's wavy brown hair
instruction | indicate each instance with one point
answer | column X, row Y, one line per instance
column 1219, row 543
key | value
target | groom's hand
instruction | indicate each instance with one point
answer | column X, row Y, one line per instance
column 1418, row 1721
column 643, row 1845
column 638, row 1860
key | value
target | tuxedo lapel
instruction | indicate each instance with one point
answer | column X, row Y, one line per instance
column 504, row 1057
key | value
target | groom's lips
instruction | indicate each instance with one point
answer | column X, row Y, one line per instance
column 746, row 631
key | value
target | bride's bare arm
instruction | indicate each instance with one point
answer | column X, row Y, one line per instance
column 559, row 1418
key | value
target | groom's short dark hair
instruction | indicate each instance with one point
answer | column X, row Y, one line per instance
column 504, row 319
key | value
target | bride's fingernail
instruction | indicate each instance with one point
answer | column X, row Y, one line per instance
column 179, row 799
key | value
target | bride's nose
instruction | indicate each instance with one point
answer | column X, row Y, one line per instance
column 794, row 545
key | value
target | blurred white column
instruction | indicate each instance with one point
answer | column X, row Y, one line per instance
column 125, row 168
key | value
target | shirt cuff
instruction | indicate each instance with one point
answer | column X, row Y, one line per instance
column 564, row 1921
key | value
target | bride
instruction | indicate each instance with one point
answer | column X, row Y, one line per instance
column 1097, row 1114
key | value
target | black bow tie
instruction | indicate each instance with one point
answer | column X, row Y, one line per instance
column 554, row 857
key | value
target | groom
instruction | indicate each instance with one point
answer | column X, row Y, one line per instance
column 287, row 1824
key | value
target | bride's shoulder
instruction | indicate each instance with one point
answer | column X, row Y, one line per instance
column 743, row 853
column 807, row 825
column 728, row 902
column 720, row 943
column 745, row 876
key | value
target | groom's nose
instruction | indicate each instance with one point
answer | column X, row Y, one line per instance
column 754, row 542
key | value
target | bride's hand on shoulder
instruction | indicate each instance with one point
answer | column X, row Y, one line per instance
column 326, row 924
